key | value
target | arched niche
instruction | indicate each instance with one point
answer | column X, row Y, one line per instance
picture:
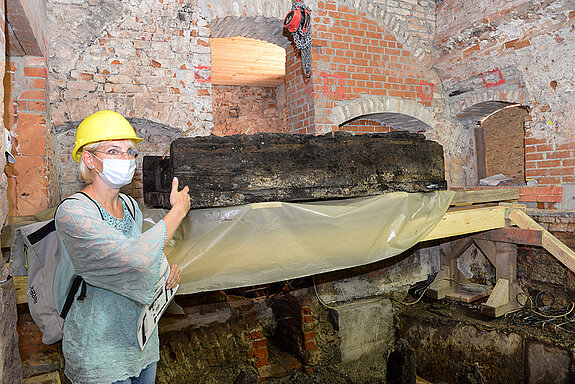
column 383, row 122
column 499, row 134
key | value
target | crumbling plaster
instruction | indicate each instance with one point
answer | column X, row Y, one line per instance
column 141, row 58
column 149, row 60
column 532, row 43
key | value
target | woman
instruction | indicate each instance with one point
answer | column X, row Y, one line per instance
column 120, row 264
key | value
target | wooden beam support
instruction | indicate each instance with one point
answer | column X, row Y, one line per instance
column 465, row 221
column 503, row 297
column 480, row 196
column 488, row 249
column 513, row 235
column 449, row 278
column 553, row 245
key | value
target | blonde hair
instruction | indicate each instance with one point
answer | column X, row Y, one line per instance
column 87, row 173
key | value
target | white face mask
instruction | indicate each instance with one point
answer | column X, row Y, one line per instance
column 117, row 172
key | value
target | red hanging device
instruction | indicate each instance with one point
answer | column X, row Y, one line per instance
column 292, row 20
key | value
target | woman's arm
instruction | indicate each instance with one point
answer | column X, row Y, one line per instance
column 180, row 201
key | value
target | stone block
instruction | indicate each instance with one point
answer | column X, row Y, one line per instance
column 365, row 330
column 549, row 364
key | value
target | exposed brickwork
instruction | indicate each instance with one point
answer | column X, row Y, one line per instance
column 299, row 93
column 298, row 327
column 541, row 197
column 537, row 269
column 248, row 110
column 217, row 352
column 365, row 126
column 355, row 56
column 491, row 58
column 152, row 62
column 29, row 126
column 256, row 344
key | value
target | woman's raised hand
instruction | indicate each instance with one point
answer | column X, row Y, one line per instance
column 180, row 200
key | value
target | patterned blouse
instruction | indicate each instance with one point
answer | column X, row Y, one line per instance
column 121, row 266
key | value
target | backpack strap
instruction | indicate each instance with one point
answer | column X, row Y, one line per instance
column 78, row 280
column 71, row 293
column 130, row 203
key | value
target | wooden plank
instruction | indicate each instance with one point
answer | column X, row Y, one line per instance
column 243, row 169
column 244, row 61
column 463, row 296
column 488, row 248
column 480, row 152
column 553, row 245
column 513, row 235
column 20, row 283
column 48, row 378
column 498, row 301
column 472, row 220
column 485, row 196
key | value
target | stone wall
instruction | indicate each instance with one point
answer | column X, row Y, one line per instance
column 143, row 59
column 152, row 61
column 10, row 368
column 248, row 110
column 515, row 51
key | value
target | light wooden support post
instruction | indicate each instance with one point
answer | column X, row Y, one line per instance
column 449, row 277
column 553, row 245
column 504, row 257
column 450, row 283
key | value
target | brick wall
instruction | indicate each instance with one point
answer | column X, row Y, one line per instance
column 296, row 328
column 299, row 93
column 538, row 270
column 364, row 126
column 147, row 59
column 515, row 54
column 355, row 56
column 28, row 125
column 248, row 110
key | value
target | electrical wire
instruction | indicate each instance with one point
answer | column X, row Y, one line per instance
column 532, row 313
column 343, row 305
column 381, row 298
column 428, row 286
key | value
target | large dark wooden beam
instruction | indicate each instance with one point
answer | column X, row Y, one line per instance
column 241, row 169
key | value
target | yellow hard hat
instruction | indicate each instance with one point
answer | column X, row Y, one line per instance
column 102, row 125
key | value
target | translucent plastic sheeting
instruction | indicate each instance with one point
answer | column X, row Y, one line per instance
column 260, row 243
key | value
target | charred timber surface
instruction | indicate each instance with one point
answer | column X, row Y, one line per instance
column 243, row 169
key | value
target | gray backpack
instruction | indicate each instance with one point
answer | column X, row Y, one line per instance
column 35, row 253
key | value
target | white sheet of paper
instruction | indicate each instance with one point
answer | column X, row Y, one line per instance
column 151, row 314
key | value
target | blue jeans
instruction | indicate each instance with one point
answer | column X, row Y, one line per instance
column 147, row 376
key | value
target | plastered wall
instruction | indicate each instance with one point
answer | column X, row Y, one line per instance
column 520, row 52
column 152, row 60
